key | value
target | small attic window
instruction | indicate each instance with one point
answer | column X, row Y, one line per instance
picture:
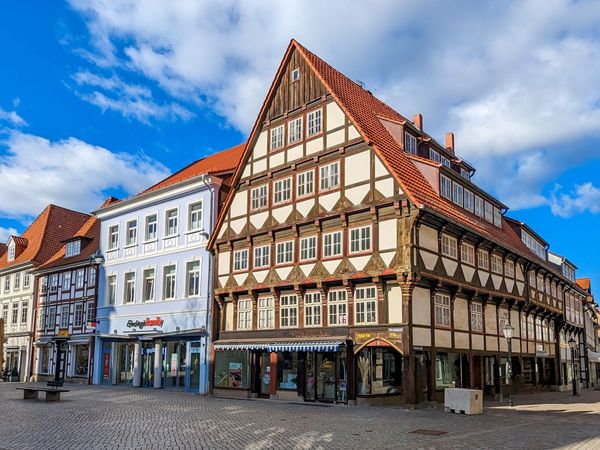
column 73, row 248
column 295, row 74
column 11, row 251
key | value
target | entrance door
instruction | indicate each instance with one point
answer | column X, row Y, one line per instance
column 148, row 367
column 265, row 374
column 175, row 364
column 195, row 370
column 321, row 376
column 125, row 364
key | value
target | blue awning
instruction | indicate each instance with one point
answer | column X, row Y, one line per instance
column 305, row 346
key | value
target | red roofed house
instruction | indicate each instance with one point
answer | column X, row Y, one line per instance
column 42, row 239
column 358, row 262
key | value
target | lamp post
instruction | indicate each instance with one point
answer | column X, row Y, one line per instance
column 573, row 346
column 95, row 260
column 508, row 334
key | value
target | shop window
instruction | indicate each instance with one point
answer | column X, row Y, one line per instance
column 287, row 370
column 231, row 370
column 447, row 370
column 81, row 360
column 45, row 353
column 379, row 371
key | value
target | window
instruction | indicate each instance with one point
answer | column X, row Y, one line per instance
column 477, row 317
column 410, row 143
column 449, row 246
column 66, row 281
column 308, row 248
column 26, row 280
column 151, row 223
column 312, row 309
column 433, row 155
column 131, row 233
column 365, row 305
column 53, row 282
column 468, row 200
column 24, row 312
column 360, row 239
column 259, row 197
column 282, row 190
column 497, row 217
column 277, row 137
column 446, row 187
column 78, row 315
column 447, row 373
column 467, row 253
column 457, row 196
column 285, row 252
column 478, row 206
column 169, row 276
column 129, row 287
column 12, row 250
column 381, row 371
column 534, row 245
column 92, row 276
column 171, row 222
column 289, row 310
column 240, row 260
column 330, row 176
column 332, row 244
column 193, row 278
column 496, row 264
column 305, row 183
column 64, row 316
column 489, row 216
column 442, row 310
column 295, row 130
column 91, row 312
column 483, row 259
column 51, row 322
column 502, row 319
column 265, row 312
column 314, row 122
column 445, row 161
column 149, row 282
column 509, row 268
column 73, row 248
column 5, row 314
column 80, row 278
column 244, row 313
column 111, row 289
column 523, row 326
column 7, row 283
column 261, row 256
column 195, row 216
column 465, row 174
column 295, row 74
column 42, row 319
column 338, row 307
column 113, row 237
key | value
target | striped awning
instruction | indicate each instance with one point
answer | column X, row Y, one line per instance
column 308, row 346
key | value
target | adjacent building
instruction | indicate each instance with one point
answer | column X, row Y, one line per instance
column 18, row 258
column 591, row 348
column 357, row 261
column 153, row 315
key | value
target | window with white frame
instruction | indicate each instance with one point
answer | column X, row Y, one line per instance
column 483, row 259
column 442, row 309
column 259, row 197
column 24, row 311
column 360, row 239
column 332, row 244
column 445, row 161
column 92, row 276
column 12, row 252
column 79, row 278
column 151, row 227
column 26, row 280
column 305, row 183
column 295, row 74
column 66, row 281
column 7, row 283
column 195, row 216
column 489, row 212
column 113, row 237
column 467, row 253
column 312, row 309
column 240, row 260
column 131, row 233
column 15, row 313
column 288, row 310
column 295, row 130
column 149, row 283
column 469, row 200
column 129, row 288
column 523, row 326
column 244, row 314
column 410, row 143
column 73, row 248
column 446, row 187
column 261, row 256
column 78, row 315
column 91, row 312
column 285, row 252
column 266, row 312
column 329, row 176
column 337, row 302
column 465, row 174
column 282, row 191
column 457, row 194
column 64, row 316
column 111, row 289
column 497, row 217
column 315, row 121
column 308, row 248
column 497, row 264
column 42, row 319
column 171, row 222
column 434, row 155
column 17, row 282
column 53, row 282
column 192, row 270
column 169, row 280
column 51, row 321
column 478, row 206
column 5, row 314
column 449, row 246
column 477, row 317
column 277, row 137
column 365, row 305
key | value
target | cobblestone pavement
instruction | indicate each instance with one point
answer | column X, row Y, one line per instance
column 99, row 417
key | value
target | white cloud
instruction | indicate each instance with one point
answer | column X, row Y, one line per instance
column 12, row 118
column 5, row 233
column 514, row 80
column 69, row 172
column 585, row 197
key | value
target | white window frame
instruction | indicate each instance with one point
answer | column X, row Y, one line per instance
column 434, row 155
column 151, row 227
column 308, row 248
column 449, row 246
column 195, row 216
column 266, row 313
column 337, row 305
column 73, row 248
column 457, row 194
column 489, row 212
column 314, row 121
column 330, row 246
column 295, row 132
column 78, row 315
column 64, row 316
column 282, row 191
column 469, row 203
column 79, row 278
column 111, row 288
column 483, row 259
column 192, row 279
column 131, row 232
column 313, row 309
column 305, row 183
column 277, row 137
column 410, row 143
column 288, row 310
column 442, row 310
column 244, row 313
column 479, row 202
column 262, row 256
column 446, row 187
column 361, row 239
column 496, row 264
column 113, row 237
column 129, row 285
column 283, row 250
column 24, row 311
column 240, row 260
column 17, row 282
column 497, row 217
column 362, row 302
column 149, row 296
column 328, row 178
column 172, row 222
column 259, row 197
column 169, row 282
column 66, row 281
column 467, row 253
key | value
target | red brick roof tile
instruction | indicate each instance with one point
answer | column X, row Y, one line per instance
column 90, row 234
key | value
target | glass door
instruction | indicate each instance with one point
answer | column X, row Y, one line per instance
column 326, row 377
column 265, row 374
column 125, row 366
column 148, row 367
column 310, row 377
column 175, row 364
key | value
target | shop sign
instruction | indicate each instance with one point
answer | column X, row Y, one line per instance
column 148, row 322
column 391, row 335
column 63, row 333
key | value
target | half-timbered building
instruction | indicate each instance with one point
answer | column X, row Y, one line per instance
column 357, row 261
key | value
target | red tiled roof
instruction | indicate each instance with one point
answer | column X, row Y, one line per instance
column 109, row 201
column 90, row 232
column 45, row 235
column 584, row 283
column 19, row 240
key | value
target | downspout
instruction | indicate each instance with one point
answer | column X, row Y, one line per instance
column 210, row 289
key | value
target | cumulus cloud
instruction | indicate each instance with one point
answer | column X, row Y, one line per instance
column 12, row 118
column 513, row 79
column 36, row 171
column 6, row 232
column 585, row 197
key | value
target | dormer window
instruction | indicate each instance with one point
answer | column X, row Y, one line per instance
column 12, row 251
column 73, row 248
column 434, row 156
column 445, row 161
column 465, row 174
column 295, row 74
column 410, row 143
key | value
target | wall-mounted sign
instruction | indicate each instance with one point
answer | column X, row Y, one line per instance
column 148, row 322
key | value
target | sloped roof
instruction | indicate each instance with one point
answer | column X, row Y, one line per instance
column 90, row 232
column 584, row 283
column 45, row 235
column 18, row 240
column 109, row 201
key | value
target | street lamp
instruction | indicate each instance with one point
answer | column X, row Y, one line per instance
column 508, row 334
column 573, row 346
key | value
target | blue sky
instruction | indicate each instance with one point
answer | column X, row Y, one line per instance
column 106, row 97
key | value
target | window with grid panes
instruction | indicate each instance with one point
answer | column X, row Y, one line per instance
column 78, row 315
column 259, row 197
column 360, row 239
column 288, row 310
column 312, row 309
column 169, row 280
column 446, row 187
column 151, row 227
column 449, row 246
column 308, row 248
column 195, row 216
column 509, row 268
column 66, row 281
column 282, row 190
column 332, row 244
column 261, row 256
column 457, row 194
column 79, row 278
column 496, row 264
column 365, row 305
column 305, row 183
column 483, row 259
column 172, row 222
column 240, row 260
column 315, row 122
column 277, row 137
column 467, row 253
column 479, row 206
column 295, row 130
column 329, row 176
column 285, row 252
column 265, row 312
column 192, row 270
column 64, row 316
column 24, row 311
column 244, row 313
column 410, row 143
column 131, row 232
column 442, row 310
column 337, row 303
column 477, row 317
column 469, row 200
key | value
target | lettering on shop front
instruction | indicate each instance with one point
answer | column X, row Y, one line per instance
column 148, row 322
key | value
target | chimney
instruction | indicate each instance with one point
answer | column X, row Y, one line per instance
column 450, row 141
column 418, row 121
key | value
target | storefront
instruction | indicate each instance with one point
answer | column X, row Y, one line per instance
column 76, row 362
